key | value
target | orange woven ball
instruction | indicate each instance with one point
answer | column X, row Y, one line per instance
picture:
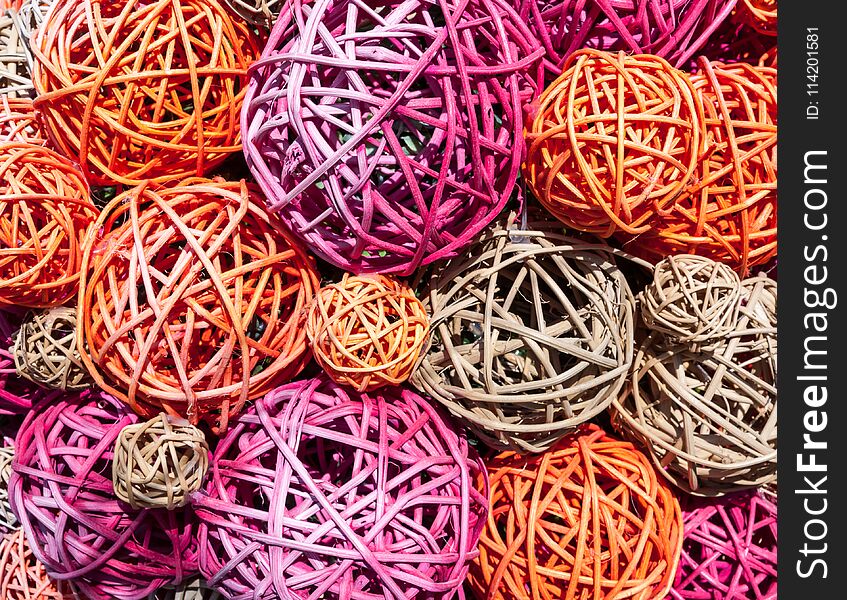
column 45, row 214
column 18, row 121
column 613, row 141
column 143, row 90
column 730, row 213
column 192, row 300
column 23, row 577
column 761, row 15
column 590, row 519
column 367, row 331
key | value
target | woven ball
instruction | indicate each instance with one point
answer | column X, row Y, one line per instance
column 147, row 91
column 692, row 299
column 159, row 462
column 62, row 492
column 8, row 520
column 613, row 142
column 729, row 550
column 761, row 15
column 18, row 121
column 15, row 79
column 32, row 14
column 193, row 300
column 14, row 396
column 367, row 331
column 588, row 519
column 321, row 492
column 531, row 336
column 195, row 589
column 734, row 42
column 387, row 135
column 23, row 577
column 45, row 214
column 45, row 350
column 730, row 213
column 259, row 12
column 707, row 415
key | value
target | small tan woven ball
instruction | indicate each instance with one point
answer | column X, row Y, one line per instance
column 8, row 520
column 194, row 589
column 259, row 12
column 159, row 462
column 15, row 79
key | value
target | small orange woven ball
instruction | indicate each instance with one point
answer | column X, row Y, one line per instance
column 590, row 519
column 367, row 331
column 23, row 577
column 45, row 214
column 143, row 90
column 192, row 301
column 613, row 141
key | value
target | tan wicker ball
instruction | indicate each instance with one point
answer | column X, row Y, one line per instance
column 259, row 12
column 8, row 520
column 159, row 462
column 15, row 78
column 45, row 350
column 193, row 589
column 531, row 335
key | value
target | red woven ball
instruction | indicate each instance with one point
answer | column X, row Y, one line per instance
column 19, row 122
column 386, row 134
column 61, row 490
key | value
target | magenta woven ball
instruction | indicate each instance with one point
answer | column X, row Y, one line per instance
column 61, row 491
column 17, row 394
column 672, row 29
column 729, row 549
column 322, row 492
column 388, row 133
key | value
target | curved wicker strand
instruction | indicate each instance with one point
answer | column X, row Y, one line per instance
column 15, row 78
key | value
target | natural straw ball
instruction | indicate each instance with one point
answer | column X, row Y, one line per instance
column 729, row 213
column 259, row 12
column 367, row 331
column 761, row 15
column 692, row 299
column 532, row 335
column 193, row 300
column 729, row 550
column 387, row 135
column 19, row 122
column 588, row 519
column 143, row 90
column 613, row 142
column 195, row 589
column 23, row 577
column 159, row 462
column 45, row 214
column 62, row 492
column 322, row 492
column 8, row 520
column 15, row 79
column 45, row 350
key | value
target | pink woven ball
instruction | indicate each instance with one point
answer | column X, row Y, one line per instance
column 61, row 491
column 16, row 393
column 321, row 492
column 729, row 549
column 671, row 29
column 388, row 133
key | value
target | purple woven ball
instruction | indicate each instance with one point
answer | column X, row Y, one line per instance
column 322, row 492
column 672, row 29
column 729, row 549
column 386, row 134
column 61, row 491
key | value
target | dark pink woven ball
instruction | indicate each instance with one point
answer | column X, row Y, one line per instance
column 729, row 549
column 61, row 490
column 322, row 492
column 672, row 29
column 388, row 133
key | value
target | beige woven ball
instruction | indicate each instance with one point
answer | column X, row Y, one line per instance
column 259, row 12
column 193, row 589
column 8, row 520
column 15, row 78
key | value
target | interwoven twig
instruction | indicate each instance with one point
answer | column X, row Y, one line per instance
column 320, row 492
column 23, row 577
column 388, row 136
column 45, row 350
column 195, row 589
column 143, row 90
column 614, row 140
column 708, row 416
column 62, row 492
column 730, row 212
column 18, row 121
column 531, row 335
column 8, row 520
column 159, row 462
column 45, row 214
column 589, row 519
column 193, row 300
column 671, row 29
column 729, row 550
column 692, row 299
column 761, row 15
column 15, row 79
column 259, row 12
column 367, row 331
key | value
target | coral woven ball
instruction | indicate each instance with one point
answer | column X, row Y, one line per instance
column 61, row 490
column 588, row 519
column 193, row 300
column 18, row 121
column 45, row 215
column 729, row 550
column 23, row 577
column 613, row 141
column 367, row 331
column 387, row 135
column 321, row 492
column 143, row 90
